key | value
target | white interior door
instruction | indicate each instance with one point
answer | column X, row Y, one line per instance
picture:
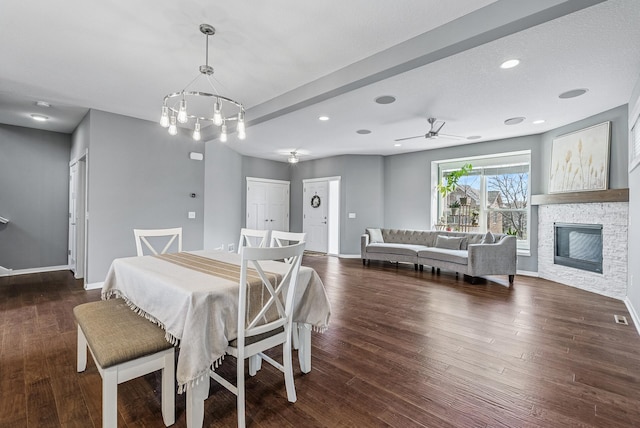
column 267, row 204
column 278, row 206
column 315, row 213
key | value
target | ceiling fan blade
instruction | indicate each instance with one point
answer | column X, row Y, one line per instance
column 454, row 137
column 409, row 138
column 439, row 127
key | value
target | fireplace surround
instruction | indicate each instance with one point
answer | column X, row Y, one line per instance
column 614, row 217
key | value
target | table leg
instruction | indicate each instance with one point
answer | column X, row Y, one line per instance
column 304, row 353
column 195, row 403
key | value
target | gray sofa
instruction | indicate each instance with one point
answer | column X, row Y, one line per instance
column 473, row 254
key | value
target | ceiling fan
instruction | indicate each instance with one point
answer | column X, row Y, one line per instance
column 434, row 132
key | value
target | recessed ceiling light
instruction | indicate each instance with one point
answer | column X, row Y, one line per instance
column 538, row 122
column 573, row 93
column 385, row 99
column 363, row 131
column 474, row 137
column 43, row 104
column 39, row 117
column 514, row 121
column 510, row 63
column 397, row 145
column 323, row 118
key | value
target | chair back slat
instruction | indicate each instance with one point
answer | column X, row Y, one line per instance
column 281, row 239
column 172, row 234
column 253, row 238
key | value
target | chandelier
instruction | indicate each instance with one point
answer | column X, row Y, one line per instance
column 217, row 109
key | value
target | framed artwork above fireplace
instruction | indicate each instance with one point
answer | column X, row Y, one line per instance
column 580, row 160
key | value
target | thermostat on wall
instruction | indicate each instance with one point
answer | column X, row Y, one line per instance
column 196, row 156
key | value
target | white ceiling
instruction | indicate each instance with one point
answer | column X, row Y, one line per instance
column 290, row 61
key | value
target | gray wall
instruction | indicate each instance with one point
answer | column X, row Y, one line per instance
column 361, row 192
column 619, row 149
column 139, row 177
column 34, row 196
column 223, row 195
column 633, row 288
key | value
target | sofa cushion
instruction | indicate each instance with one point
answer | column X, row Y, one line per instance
column 441, row 254
column 449, row 242
column 488, row 238
column 400, row 249
column 375, row 235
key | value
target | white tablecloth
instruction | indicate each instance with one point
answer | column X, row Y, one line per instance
column 199, row 310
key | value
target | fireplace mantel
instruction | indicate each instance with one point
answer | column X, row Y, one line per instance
column 611, row 195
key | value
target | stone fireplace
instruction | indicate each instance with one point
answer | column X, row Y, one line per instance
column 609, row 220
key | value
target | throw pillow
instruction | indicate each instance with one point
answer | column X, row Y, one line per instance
column 488, row 238
column 449, row 242
column 375, row 235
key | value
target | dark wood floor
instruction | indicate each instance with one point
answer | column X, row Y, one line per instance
column 404, row 349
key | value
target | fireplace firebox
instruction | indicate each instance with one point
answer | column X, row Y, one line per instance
column 578, row 246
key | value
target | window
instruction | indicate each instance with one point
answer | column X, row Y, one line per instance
column 493, row 196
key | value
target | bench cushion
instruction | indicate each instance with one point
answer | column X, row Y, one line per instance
column 399, row 249
column 117, row 334
column 452, row 256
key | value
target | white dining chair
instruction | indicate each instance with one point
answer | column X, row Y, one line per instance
column 158, row 237
column 253, row 238
column 255, row 334
column 124, row 346
column 280, row 238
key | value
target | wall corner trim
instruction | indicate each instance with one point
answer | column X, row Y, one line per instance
column 633, row 313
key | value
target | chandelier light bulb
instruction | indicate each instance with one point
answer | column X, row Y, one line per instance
column 173, row 129
column 182, row 113
column 217, row 114
column 240, row 128
column 293, row 158
column 196, row 131
column 164, row 119
column 223, row 134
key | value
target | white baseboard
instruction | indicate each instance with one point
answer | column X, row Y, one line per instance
column 93, row 285
column 633, row 313
column 527, row 273
column 349, row 256
column 11, row 272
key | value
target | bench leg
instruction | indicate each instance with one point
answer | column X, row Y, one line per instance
column 364, row 262
column 169, row 389
column 511, row 278
column 433, row 269
column 415, row 266
column 110, row 397
column 421, row 268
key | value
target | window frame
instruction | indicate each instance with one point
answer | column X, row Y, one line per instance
column 484, row 162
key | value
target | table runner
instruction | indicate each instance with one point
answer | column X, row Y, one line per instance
column 198, row 310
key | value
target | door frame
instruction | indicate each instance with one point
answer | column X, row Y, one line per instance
column 333, row 221
column 82, row 224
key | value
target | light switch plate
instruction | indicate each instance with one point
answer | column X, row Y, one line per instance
column 352, row 215
column 192, row 214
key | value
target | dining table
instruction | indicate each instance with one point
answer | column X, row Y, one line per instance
column 193, row 296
